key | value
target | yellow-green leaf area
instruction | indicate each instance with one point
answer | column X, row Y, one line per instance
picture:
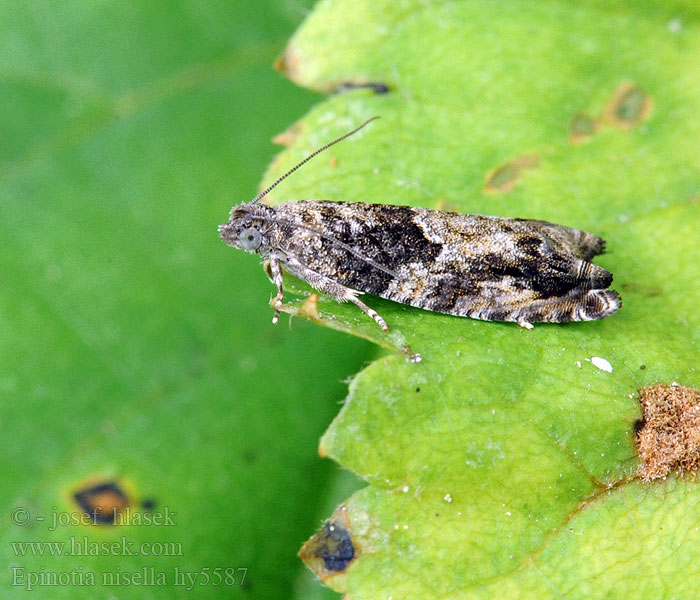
column 503, row 464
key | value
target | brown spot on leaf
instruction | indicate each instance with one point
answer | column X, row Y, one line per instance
column 288, row 136
column 445, row 206
column 669, row 438
column 103, row 501
column 288, row 62
column 582, row 128
column 333, row 162
column 629, row 107
column 331, row 549
column 414, row 357
column 638, row 288
column 503, row 178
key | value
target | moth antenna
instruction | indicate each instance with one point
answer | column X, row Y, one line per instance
column 309, row 157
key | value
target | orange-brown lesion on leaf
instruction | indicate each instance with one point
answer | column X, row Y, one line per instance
column 582, row 128
column 669, row 434
column 629, row 107
column 333, row 548
column 288, row 136
column 445, row 206
column 504, row 178
column 288, row 62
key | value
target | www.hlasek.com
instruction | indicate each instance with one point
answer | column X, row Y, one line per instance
column 147, row 576
column 85, row 547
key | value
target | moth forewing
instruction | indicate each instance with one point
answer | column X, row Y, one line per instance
column 488, row 268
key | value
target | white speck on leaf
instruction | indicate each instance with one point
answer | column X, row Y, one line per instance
column 602, row 364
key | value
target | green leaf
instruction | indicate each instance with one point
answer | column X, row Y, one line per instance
column 504, row 463
column 134, row 346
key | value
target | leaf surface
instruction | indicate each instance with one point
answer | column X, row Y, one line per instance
column 503, row 464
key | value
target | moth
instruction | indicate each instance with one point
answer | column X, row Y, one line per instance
column 489, row 268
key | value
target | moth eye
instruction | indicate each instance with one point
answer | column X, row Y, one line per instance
column 250, row 239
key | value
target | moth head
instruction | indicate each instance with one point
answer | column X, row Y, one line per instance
column 244, row 230
column 246, row 227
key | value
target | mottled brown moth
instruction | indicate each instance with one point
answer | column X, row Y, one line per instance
column 488, row 268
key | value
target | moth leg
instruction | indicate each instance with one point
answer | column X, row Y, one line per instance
column 352, row 297
column 337, row 290
column 276, row 273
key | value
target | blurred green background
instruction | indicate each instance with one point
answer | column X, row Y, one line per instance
column 135, row 348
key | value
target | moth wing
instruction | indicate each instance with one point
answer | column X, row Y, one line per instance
column 579, row 243
column 469, row 265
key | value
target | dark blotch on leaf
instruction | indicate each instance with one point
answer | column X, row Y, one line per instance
column 148, row 504
column 377, row 87
column 332, row 544
column 582, row 128
column 102, row 502
column 250, row 455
